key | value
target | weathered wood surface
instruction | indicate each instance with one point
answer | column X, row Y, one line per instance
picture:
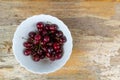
column 95, row 28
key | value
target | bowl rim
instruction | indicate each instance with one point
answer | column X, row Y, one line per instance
column 26, row 66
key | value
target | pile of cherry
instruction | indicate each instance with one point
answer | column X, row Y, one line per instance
column 47, row 41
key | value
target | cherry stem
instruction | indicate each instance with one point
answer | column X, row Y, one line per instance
column 39, row 46
column 48, row 22
column 24, row 38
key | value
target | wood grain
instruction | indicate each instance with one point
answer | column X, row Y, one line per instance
column 95, row 28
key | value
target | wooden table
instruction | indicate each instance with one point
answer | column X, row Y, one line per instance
column 95, row 28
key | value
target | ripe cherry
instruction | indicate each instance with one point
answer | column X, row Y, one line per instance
column 58, row 56
column 59, row 33
column 27, row 52
column 37, row 37
column 53, row 27
column 32, row 34
column 56, row 46
column 48, row 54
column 40, row 25
column 36, row 58
column 46, row 39
column 27, row 44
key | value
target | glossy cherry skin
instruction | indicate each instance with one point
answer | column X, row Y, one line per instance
column 48, row 54
column 59, row 33
column 50, row 49
column 35, row 42
column 37, row 37
column 53, row 27
column 40, row 25
column 36, row 58
column 58, row 56
column 32, row 34
column 56, row 46
column 27, row 44
column 39, row 52
column 27, row 52
column 42, row 56
column 47, row 27
column 46, row 39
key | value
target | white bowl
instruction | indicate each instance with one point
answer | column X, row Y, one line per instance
column 45, row 65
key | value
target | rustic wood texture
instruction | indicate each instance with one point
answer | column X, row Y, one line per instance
column 95, row 28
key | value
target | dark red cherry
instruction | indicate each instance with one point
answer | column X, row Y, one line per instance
column 49, row 43
column 53, row 27
column 48, row 54
column 27, row 44
column 62, row 40
column 32, row 34
column 40, row 25
column 56, row 46
column 59, row 51
column 42, row 56
column 58, row 56
column 30, row 40
column 59, row 33
column 46, row 39
column 27, row 52
column 50, row 49
column 47, row 26
column 39, row 52
column 33, row 53
column 36, row 58
column 52, row 32
column 52, row 58
column 37, row 37
column 40, row 30
column 35, row 42
column 44, row 48
column 42, row 43
column 44, row 32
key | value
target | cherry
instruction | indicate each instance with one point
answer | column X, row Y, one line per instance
column 44, row 32
column 59, row 33
column 46, row 39
column 62, row 40
column 42, row 43
column 44, row 48
column 50, row 44
column 58, row 56
column 39, row 52
column 48, row 54
column 59, row 51
column 52, row 31
column 27, row 44
column 56, row 46
column 32, row 34
column 47, row 26
column 42, row 56
column 40, row 30
column 52, row 58
column 36, row 58
column 37, row 37
column 53, row 27
column 40, row 25
column 30, row 40
column 50, row 50
column 35, row 42
column 27, row 52
column 33, row 53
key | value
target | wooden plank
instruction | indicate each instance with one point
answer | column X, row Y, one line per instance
column 95, row 30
